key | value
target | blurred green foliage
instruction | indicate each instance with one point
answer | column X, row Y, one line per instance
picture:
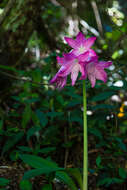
column 41, row 126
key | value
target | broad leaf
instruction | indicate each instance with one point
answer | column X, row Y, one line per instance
column 122, row 173
column 103, row 96
column 32, row 131
column 3, row 181
column 42, row 118
column 25, row 185
column 64, row 177
column 38, row 162
column 26, row 115
column 12, row 141
column 76, row 174
column 36, row 172
column 98, row 161
column 47, row 187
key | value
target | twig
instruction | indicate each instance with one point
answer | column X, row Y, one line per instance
column 29, row 80
column 7, row 11
column 66, row 149
column 97, row 16
column 22, row 79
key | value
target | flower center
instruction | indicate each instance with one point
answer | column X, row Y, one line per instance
column 76, row 61
column 81, row 49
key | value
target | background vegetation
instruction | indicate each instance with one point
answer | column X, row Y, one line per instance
column 41, row 127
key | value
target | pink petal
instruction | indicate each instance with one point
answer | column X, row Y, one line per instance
column 83, row 57
column 60, row 81
column 92, row 80
column 69, row 56
column 89, row 42
column 60, row 60
column 88, row 56
column 91, row 72
column 53, row 80
column 93, row 59
column 80, row 39
column 105, row 64
column 92, row 53
column 90, row 67
column 83, row 77
column 71, row 42
column 66, row 59
column 74, row 76
column 83, row 71
column 76, row 52
column 64, row 71
column 100, row 74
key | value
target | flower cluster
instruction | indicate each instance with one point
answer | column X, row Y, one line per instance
column 80, row 59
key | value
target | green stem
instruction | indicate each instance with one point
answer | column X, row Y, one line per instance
column 85, row 143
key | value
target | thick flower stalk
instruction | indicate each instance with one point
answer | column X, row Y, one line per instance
column 84, row 60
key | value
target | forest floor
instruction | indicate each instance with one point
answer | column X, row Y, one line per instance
column 14, row 174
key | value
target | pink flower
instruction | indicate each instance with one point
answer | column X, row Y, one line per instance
column 70, row 64
column 81, row 45
column 80, row 59
column 95, row 70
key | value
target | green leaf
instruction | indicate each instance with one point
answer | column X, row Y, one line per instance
column 68, row 144
column 121, row 144
column 12, row 141
column 54, row 114
column 25, row 148
column 95, row 132
column 8, row 68
column 36, row 75
column 26, row 115
column 36, row 172
column 42, row 117
column 103, row 106
column 122, row 173
column 76, row 174
column 37, row 162
column 47, row 150
column 4, row 181
column 103, row 96
column 98, row 161
column 115, row 55
column 35, row 119
column 32, row 100
column 47, row 187
column 106, row 181
column 32, row 131
column 1, row 124
column 74, row 103
column 25, row 185
column 116, row 180
column 64, row 177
